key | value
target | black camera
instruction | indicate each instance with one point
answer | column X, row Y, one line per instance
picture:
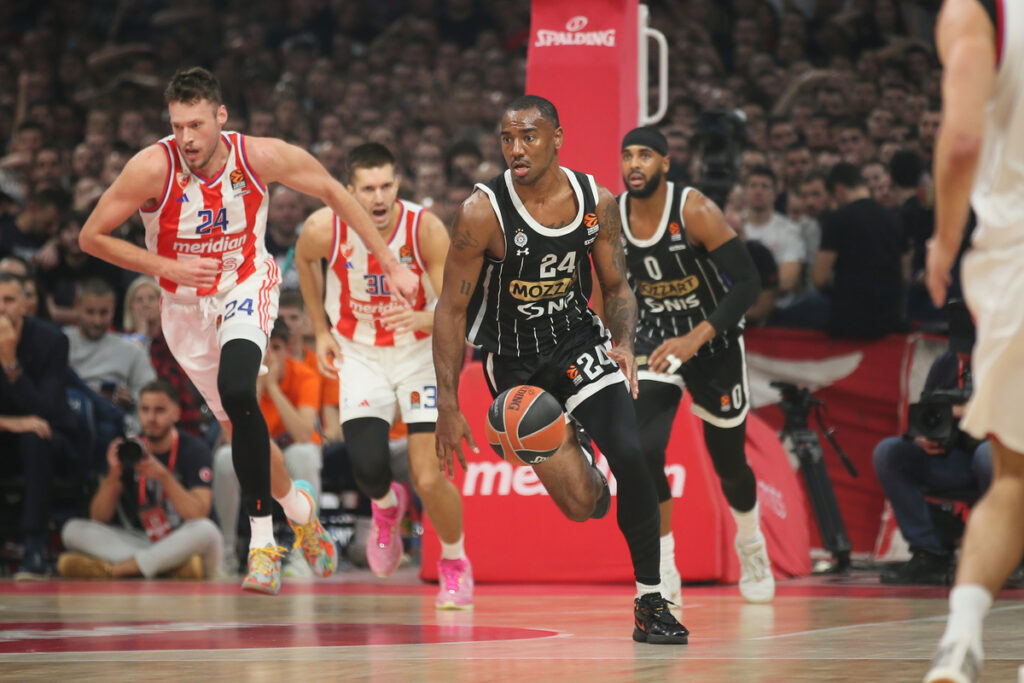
column 932, row 417
column 130, row 452
column 719, row 136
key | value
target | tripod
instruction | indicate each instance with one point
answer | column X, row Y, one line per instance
column 796, row 404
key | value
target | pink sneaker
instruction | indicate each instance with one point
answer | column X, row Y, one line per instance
column 456, row 579
column 384, row 545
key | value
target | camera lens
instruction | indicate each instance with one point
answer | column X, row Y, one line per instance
column 130, row 452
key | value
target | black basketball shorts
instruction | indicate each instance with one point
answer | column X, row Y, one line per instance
column 716, row 382
column 577, row 369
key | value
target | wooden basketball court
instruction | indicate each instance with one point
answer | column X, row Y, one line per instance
column 355, row 627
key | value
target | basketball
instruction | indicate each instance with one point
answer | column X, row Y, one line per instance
column 525, row 425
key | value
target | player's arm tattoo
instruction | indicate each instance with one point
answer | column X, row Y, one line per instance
column 465, row 288
column 462, row 238
column 620, row 309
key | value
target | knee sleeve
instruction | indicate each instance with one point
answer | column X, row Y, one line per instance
column 655, row 412
column 728, row 454
column 250, row 442
column 366, row 439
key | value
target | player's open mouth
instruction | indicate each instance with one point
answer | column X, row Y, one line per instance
column 379, row 213
column 636, row 180
column 519, row 169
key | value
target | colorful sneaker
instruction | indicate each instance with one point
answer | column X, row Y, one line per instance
column 264, row 569
column 456, row 579
column 673, row 585
column 757, row 584
column 384, row 546
column 956, row 662
column 653, row 623
column 317, row 545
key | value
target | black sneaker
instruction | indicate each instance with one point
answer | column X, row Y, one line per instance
column 653, row 623
column 924, row 568
column 604, row 502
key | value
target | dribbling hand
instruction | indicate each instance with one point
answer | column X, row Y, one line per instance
column 451, row 429
column 200, row 273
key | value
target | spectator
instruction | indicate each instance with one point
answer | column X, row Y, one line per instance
column 815, row 200
column 35, row 422
column 32, row 233
column 114, row 367
column 909, row 470
column 767, row 226
column 284, row 219
column 302, row 347
column 73, row 266
column 859, row 262
column 161, row 500
column 876, row 175
column 854, row 144
column 142, row 322
column 289, row 395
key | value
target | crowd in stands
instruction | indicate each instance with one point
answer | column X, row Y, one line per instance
column 839, row 101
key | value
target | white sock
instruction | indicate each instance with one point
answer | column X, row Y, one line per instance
column 262, row 532
column 296, row 506
column 747, row 524
column 643, row 589
column 453, row 551
column 390, row 500
column 968, row 605
column 668, row 553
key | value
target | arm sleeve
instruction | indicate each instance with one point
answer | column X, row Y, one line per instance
column 733, row 261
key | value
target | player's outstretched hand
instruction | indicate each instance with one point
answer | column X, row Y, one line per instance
column 452, row 427
column 627, row 363
column 200, row 273
column 403, row 284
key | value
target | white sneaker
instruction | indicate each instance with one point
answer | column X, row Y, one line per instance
column 956, row 662
column 757, row 584
column 672, row 585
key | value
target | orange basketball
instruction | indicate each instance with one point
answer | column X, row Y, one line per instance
column 525, row 425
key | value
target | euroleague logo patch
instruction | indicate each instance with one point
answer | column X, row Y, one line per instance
column 405, row 254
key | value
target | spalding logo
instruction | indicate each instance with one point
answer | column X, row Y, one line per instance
column 517, row 399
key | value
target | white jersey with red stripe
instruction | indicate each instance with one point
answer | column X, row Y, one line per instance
column 224, row 217
column 997, row 187
column 357, row 290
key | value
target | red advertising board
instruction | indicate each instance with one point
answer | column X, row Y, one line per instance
column 514, row 532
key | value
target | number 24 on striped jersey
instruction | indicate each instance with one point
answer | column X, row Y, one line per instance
column 209, row 222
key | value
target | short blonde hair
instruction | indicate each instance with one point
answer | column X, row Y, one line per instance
column 135, row 286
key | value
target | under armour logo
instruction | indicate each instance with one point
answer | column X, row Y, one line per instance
column 182, row 198
column 523, row 252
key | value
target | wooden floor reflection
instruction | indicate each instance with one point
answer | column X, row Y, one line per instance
column 356, row 628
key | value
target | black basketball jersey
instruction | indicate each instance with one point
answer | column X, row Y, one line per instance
column 537, row 296
column 677, row 285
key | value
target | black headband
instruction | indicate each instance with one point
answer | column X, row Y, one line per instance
column 648, row 137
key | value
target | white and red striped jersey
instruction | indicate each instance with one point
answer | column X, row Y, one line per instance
column 223, row 217
column 357, row 290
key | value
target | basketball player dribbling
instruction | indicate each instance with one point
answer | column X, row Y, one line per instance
column 517, row 283
column 382, row 353
column 979, row 162
column 202, row 194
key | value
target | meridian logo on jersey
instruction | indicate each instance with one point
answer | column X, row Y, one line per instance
column 662, row 290
column 214, row 246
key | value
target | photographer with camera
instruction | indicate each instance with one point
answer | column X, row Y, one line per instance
column 933, row 457
column 158, row 487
